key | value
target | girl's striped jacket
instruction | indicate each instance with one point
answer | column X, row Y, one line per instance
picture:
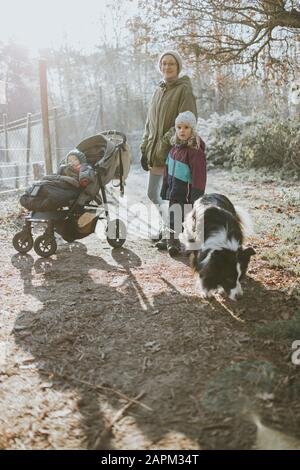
column 185, row 172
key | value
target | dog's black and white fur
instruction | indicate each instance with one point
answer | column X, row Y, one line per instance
column 214, row 231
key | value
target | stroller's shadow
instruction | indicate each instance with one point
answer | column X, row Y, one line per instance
column 75, row 308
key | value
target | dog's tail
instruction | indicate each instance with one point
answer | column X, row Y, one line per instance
column 245, row 220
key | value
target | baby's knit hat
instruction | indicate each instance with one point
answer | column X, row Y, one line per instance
column 187, row 117
column 176, row 57
column 80, row 155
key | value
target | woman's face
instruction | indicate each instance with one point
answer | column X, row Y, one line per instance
column 169, row 67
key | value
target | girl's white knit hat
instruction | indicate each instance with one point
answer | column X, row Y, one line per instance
column 186, row 118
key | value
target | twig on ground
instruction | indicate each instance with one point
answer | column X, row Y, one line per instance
column 101, row 441
column 109, row 389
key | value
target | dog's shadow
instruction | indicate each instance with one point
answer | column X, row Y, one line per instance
column 258, row 303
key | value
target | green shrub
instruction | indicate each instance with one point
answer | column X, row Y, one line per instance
column 265, row 146
column 253, row 142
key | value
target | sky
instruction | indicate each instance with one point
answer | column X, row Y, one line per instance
column 39, row 24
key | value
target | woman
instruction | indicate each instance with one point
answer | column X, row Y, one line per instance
column 172, row 96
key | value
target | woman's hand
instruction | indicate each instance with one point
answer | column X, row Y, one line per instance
column 144, row 162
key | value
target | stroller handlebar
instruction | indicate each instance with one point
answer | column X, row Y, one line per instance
column 111, row 133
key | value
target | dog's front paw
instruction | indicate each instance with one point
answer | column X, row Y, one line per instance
column 206, row 294
column 236, row 293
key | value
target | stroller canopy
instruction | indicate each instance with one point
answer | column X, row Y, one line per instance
column 113, row 159
column 96, row 148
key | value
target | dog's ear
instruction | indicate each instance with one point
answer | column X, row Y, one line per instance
column 248, row 252
column 244, row 256
column 214, row 254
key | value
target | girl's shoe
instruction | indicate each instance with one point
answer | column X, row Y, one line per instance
column 173, row 247
column 162, row 244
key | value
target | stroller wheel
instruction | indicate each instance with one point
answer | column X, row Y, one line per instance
column 116, row 233
column 45, row 246
column 23, row 242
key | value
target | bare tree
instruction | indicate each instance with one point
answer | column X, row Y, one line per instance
column 258, row 32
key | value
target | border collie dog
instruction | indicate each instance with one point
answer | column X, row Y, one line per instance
column 214, row 232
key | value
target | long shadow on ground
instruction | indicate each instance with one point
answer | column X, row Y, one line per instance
column 201, row 365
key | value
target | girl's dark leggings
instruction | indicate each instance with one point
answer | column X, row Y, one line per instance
column 176, row 217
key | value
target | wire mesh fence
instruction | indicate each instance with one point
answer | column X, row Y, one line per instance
column 22, row 150
column 22, row 145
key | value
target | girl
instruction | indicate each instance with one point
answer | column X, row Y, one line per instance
column 184, row 176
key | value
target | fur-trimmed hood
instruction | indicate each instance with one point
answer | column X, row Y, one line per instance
column 191, row 142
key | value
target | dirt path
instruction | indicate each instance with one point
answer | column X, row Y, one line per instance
column 106, row 348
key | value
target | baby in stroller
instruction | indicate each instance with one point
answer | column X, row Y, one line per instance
column 76, row 166
column 68, row 201
column 59, row 190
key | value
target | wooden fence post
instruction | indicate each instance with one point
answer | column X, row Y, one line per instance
column 45, row 115
column 57, row 138
column 17, row 174
column 6, row 154
column 38, row 172
column 28, row 147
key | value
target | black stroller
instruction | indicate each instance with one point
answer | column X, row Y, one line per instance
column 108, row 155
